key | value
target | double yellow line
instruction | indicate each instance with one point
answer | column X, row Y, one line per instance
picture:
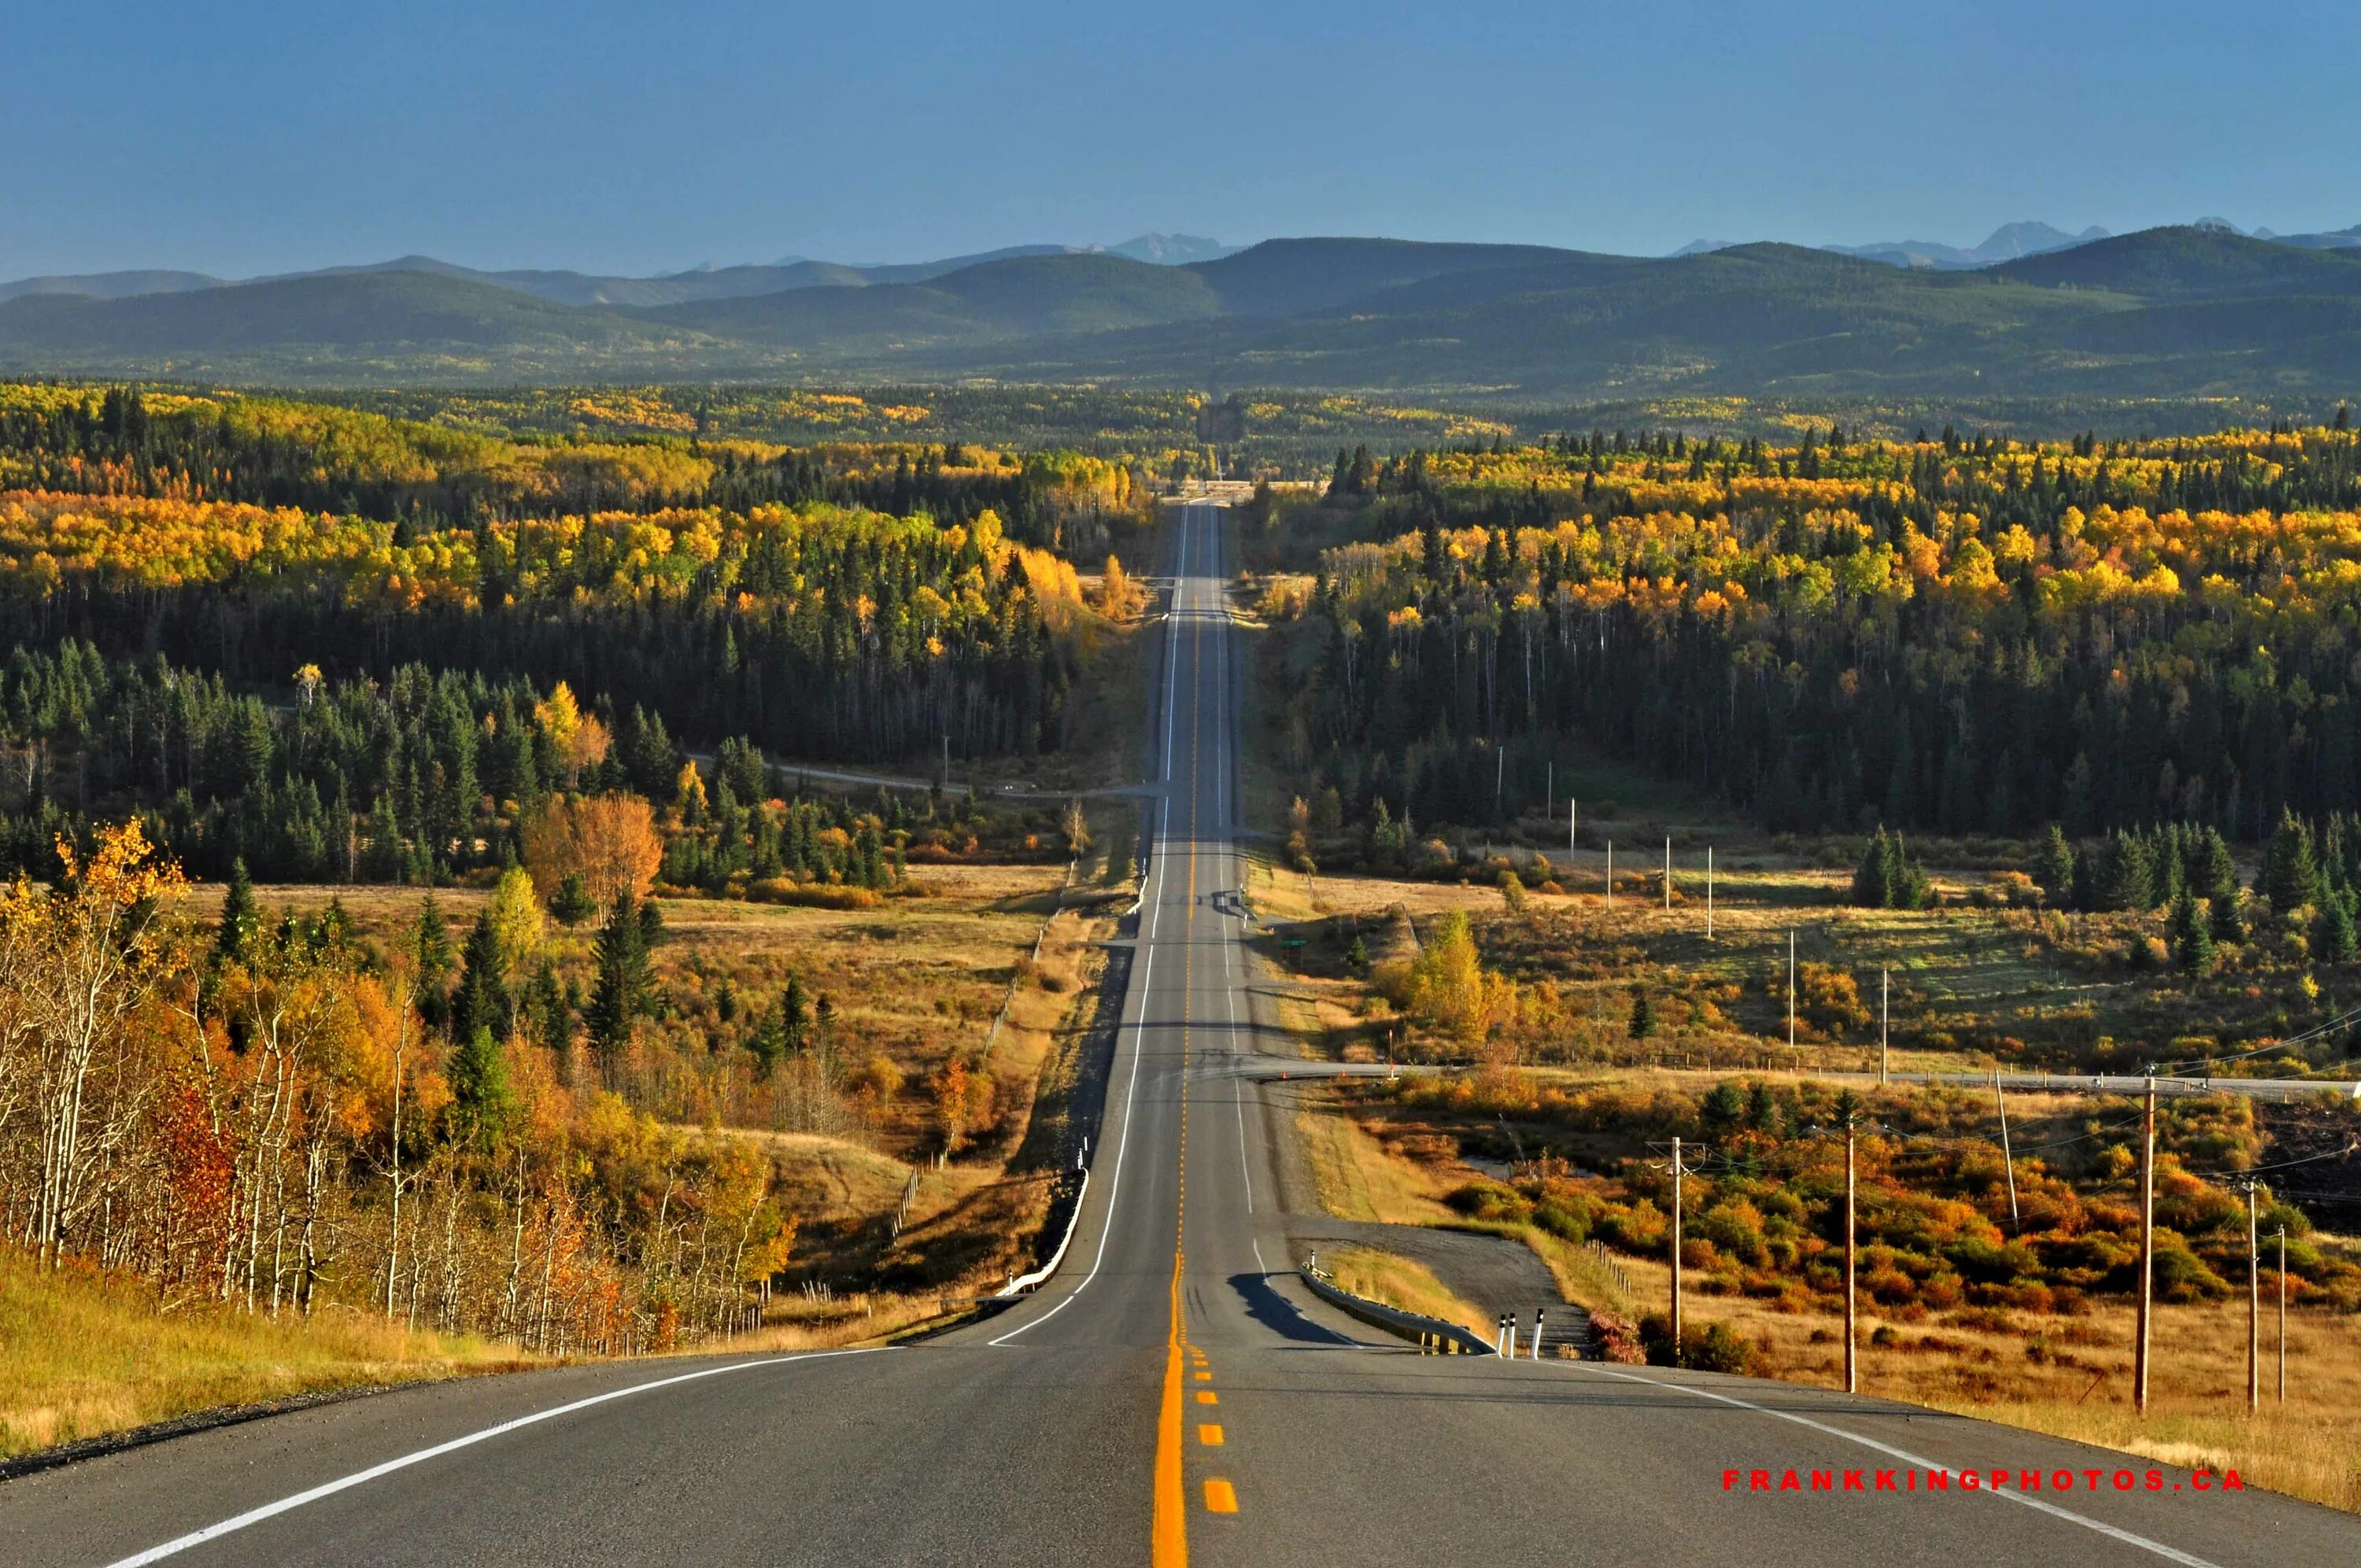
column 1168, row 1533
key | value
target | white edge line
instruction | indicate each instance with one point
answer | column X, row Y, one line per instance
column 361, row 1478
column 2171, row 1554
column 1148, row 970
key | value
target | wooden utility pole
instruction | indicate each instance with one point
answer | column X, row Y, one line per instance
column 2254, row 1307
column 2007, row 1158
column 2282, row 1314
column 1677, row 1252
column 1549, row 792
column 2148, row 1250
column 1852, row 1335
column 1571, row 812
column 1610, row 876
column 1668, row 874
column 1708, row 892
column 1884, row 1014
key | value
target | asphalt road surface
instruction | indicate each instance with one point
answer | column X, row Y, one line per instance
column 1172, row 1393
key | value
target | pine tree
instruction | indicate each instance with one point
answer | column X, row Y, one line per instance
column 430, row 946
column 480, row 1000
column 571, row 903
column 2130, row 883
column 1643, row 1014
column 1873, row 886
column 481, row 1105
column 241, row 921
column 2291, row 873
column 2224, row 916
column 2053, row 866
column 2192, row 940
column 794, row 1017
column 620, row 994
column 2340, row 941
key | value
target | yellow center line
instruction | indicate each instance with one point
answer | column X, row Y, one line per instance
column 1207, row 1397
column 1221, row 1498
column 1210, row 1433
column 1168, row 1535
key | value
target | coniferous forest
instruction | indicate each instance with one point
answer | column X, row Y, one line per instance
column 1956, row 633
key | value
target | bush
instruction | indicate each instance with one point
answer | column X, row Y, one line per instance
column 1615, row 1339
column 1485, row 1200
column 1708, row 1347
column 1566, row 1225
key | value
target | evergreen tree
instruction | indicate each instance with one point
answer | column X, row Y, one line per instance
column 2192, row 940
column 1643, row 1014
column 431, row 947
column 571, row 904
column 2339, row 939
column 1761, row 1109
column 480, row 1000
column 2053, row 866
column 1722, row 1109
column 481, row 1104
column 794, row 1017
column 241, row 921
column 620, row 994
column 2129, row 883
column 2291, row 874
column 2226, row 917
column 1873, row 886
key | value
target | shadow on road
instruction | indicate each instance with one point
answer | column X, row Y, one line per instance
column 1277, row 1313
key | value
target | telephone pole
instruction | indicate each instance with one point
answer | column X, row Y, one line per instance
column 2148, row 1250
column 2008, row 1159
column 1708, row 892
column 1852, row 1335
column 1668, row 874
column 2254, row 1307
column 2282, row 1314
column 1610, row 876
column 1677, row 1252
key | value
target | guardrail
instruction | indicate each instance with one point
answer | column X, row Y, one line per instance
column 1430, row 1333
column 1024, row 1282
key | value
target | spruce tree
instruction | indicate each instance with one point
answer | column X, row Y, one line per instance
column 2291, row 874
column 2339, row 939
column 1643, row 1014
column 620, row 994
column 2192, row 942
column 430, row 946
column 481, row 1105
column 480, row 1000
column 1872, row 887
column 241, row 921
column 2053, row 866
column 2224, row 916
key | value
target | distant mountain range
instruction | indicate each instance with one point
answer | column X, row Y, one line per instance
column 2011, row 241
column 2197, row 311
column 566, row 288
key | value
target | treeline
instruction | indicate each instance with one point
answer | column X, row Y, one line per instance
column 1966, row 635
column 420, row 780
column 820, row 632
column 266, row 1115
column 427, row 478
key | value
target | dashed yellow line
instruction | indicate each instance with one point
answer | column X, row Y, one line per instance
column 1210, row 1433
column 1221, row 1498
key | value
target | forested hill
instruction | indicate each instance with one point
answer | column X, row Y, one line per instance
column 2179, row 312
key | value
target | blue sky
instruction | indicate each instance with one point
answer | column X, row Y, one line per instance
column 246, row 136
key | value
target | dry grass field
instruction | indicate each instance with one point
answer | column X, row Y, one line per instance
column 88, row 1354
column 1400, row 1283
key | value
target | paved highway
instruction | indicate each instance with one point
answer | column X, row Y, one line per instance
column 1173, row 1393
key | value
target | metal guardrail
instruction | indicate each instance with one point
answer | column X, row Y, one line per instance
column 1430, row 1333
column 1024, row 1282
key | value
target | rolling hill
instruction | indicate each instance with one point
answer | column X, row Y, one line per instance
column 2191, row 311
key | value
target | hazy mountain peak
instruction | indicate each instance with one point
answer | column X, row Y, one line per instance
column 2030, row 237
column 1705, row 247
column 1172, row 249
